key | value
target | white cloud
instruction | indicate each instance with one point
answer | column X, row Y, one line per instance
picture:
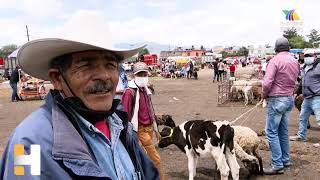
column 227, row 22
column 34, row 8
column 208, row 23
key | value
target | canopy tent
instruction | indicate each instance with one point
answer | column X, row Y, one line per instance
column 14, row 53
column 296, row 50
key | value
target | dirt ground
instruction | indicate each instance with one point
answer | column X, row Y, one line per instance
column 194, row 99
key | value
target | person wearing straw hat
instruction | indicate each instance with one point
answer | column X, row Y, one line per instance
column 136, row 101
column 278, row 86
column 80, row 132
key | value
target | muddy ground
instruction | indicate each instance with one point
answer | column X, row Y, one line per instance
column 193, row 99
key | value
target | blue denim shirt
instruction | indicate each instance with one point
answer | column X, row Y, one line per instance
column 65, row 154
column 111, row 156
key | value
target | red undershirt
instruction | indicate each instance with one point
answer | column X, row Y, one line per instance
column 103, row 126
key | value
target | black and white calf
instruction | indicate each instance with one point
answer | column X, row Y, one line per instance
column 200, row 138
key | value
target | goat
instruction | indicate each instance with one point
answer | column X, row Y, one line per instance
column 199, row 138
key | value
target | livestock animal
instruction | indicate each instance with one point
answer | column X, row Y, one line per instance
column 200, row 138
column 248, row 89
column 246, row 145
column 165, row 119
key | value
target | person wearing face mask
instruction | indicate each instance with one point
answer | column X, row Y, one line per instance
column 136, row 101
column 310, row 88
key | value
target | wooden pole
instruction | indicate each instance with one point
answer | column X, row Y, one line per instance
column 27, row 32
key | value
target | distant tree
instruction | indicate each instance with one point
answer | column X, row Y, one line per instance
column 7, row 50
column 143, row 52
column 224, row 54
column 201, row 47
column 290, row 33
column 299, row 42
column 296, row 40
column 243, row 51
column 192, row 47
column 314, row 38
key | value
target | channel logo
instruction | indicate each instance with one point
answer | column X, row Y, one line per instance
column 21, row 160
column 291, row 15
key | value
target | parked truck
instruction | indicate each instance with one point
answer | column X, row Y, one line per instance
column 150, row 59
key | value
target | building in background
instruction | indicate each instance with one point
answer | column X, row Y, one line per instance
column 261, row 51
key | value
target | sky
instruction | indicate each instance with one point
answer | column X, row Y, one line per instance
column 170, row 22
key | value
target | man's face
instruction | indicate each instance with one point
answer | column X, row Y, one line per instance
column 93, row 77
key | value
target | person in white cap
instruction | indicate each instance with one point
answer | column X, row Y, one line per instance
column 136, row 101
column 80, row 132
column 310, row 88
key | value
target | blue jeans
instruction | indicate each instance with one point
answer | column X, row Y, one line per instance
column 215, row 75
column 14, row 95
column 277, row 129
column 308, row 106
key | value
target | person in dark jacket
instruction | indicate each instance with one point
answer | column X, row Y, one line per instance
column 14, row 79
column 78, row 133
column 310, row 88
column 216, row 70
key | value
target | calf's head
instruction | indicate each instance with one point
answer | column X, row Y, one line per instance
column 168, row 121
column 166, row 137
column 165, row 120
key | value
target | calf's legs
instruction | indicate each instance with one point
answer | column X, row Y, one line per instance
column 233, row 164
column 192, row 164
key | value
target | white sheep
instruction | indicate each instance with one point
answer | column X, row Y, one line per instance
column 243, row 88
column 246, row 145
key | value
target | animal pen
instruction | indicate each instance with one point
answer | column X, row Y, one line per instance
column 224, row 92
column 246, row 86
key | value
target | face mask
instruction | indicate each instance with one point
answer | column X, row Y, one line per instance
column 141, row 81
column 88, row 114
column 308, row 60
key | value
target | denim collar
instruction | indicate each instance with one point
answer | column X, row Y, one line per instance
column 68, row 145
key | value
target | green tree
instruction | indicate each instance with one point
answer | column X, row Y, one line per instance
column 243, row 51
column 7, row 50
column 296, row 40
column 314, row 38
column 143, row 52
column 224, row 54
column 290, row 33
column 299, row 42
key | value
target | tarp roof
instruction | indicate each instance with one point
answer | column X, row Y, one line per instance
column 296, row 50
column 14, row 53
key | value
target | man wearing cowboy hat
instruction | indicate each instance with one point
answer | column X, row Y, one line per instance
column 79, row 130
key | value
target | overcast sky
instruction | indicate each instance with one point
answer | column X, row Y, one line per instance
column 175, row 22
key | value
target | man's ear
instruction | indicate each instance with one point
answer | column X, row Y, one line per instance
column 55, row 78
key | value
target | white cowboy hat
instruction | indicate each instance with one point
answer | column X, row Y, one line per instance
column 35, row 56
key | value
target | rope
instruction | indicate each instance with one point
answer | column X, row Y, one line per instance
column 170, row 135
column 239, row 117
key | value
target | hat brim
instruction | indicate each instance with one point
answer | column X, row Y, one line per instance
column 143, row 70
column 35, row 56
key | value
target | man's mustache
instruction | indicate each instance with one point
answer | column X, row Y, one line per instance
column 99, row 86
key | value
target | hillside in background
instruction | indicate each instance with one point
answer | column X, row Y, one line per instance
column 153, row 48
